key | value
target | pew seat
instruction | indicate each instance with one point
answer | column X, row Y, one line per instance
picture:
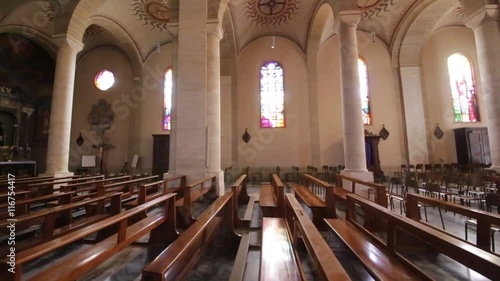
column 267, row 198
column 277, row 259
column 377, row 262
column 316, row 204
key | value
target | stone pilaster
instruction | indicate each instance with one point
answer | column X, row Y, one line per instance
column 214, row 35
column 62, row 106
column 486, row 26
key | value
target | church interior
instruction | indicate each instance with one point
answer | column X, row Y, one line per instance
column 249, row 140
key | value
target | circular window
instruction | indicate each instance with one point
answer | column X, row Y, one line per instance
column 104, row 80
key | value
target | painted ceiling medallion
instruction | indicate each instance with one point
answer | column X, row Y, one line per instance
column 271, row 12
column 157, row 10
column 376, row 7
column 367, row 4
column 154, row 13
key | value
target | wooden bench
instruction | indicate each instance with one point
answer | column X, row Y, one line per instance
column 378, row 189
column 301, row 228
column 24, row 206
column 152, row 190
column 272, row 197
column 404, row 234
column 81, row 262
column 277, row 259
column 191, row 194
column 26, row 181
column 309, row 194
column 60, row 220
column 130, row 188
column 239, row 189
column 483, row 220
column 43, row 188
column 175, row 262
column 89, row 187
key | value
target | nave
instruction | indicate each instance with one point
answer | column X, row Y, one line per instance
column 217, row 263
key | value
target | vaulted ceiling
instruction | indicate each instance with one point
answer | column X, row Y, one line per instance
column 142, row 25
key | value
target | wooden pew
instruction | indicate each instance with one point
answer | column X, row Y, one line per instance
column 129, row 188
column 484, row 220
column 60, row 220
column 239, row 189
column 301, row 228
column 272, row 197
column 175, row 262
column 153, row 190
column 22, row 184
column 403, row 234
column 342, row 192
column 24, row 206
column 43, row 188
column 81, row 262
column 310, row 193
column 191, row 194
column 91, row 186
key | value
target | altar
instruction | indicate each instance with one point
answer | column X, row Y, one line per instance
column 18, row 168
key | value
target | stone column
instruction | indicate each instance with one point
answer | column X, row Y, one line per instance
column 486, row 26
column 191, row 97
column 354, row 137
column 214, row 35
column 62, row 107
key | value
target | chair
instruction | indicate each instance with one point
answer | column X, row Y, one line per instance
column 433, row 190
column 257, row 175
column 293, row 175
column 396, row 196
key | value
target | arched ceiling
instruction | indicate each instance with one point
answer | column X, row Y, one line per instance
column 145, row 21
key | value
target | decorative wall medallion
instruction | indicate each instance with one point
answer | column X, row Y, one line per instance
column 271, row 12
column 93, row 31
column 438, row 133
column 101, row 117
column 384, row 134
column 246, row 136
column 153, row 12
column 80, row 140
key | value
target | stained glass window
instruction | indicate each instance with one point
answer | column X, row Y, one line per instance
column 104, row 80
column 167, row 100
column 463, row 89
column 364, row 91
column 272, row 96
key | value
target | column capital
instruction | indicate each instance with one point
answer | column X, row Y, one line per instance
column 215, row 28
column 350, row 18
column 66, row 41
column 485, row 14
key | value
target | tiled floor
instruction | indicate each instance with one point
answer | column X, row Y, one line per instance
column 217, row 263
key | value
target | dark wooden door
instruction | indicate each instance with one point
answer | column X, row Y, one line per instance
column 161, row 146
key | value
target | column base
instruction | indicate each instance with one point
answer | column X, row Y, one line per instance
column 361, row 175
column 221, row 189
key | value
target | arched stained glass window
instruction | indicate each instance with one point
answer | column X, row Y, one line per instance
column 364, row 91
column 463, row 89
column 167, row 100
column 272, row 96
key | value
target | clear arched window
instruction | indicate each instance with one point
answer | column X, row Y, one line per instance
column 364, row 91
column 167, row 100
column 463, row 89
column 272, row 96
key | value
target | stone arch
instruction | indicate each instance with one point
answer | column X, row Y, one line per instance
column 34, row 35
column 78, row 22
column 414, row 28
column 323, row 16
column 126, row 42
